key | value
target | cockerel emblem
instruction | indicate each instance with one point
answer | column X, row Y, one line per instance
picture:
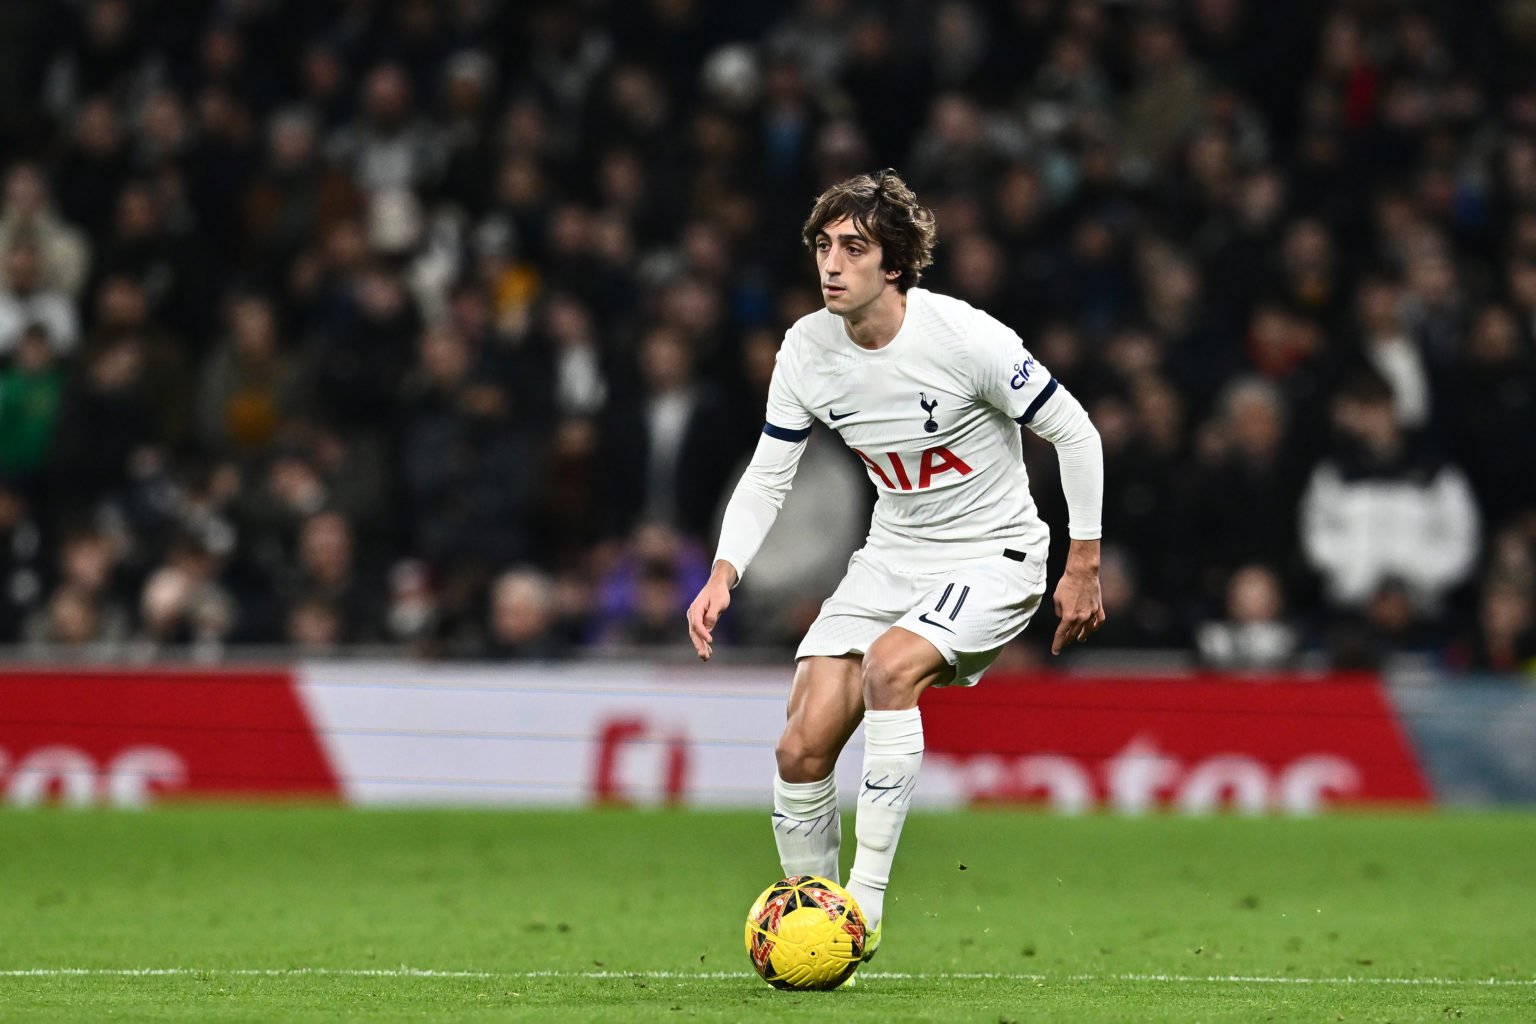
column 928, row 404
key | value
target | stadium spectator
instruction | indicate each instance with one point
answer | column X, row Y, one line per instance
column 1381, row 514
column 64, row 252
column 651, row 617
column 182, row 604
column 817, row 33
column 1490, row 398
column 1167, row 94
column 315, row 628
column 1503, row 639
column 1248, row 480
column 1389, row 628
column 365, row 329
column 1500, row 636
column 1253, row 632
column 292, row 193
column 143, row 246
column 580, row 384
column 326, row 580
column 414, row 612
column 522, row 618
column 26, row 301
column 31, row 394
column 352, row 470
column 104, row 55
column 165, row 140
column 467, row 94
column 121, row 308
column 1236, row 249
column 643, row 583
column 1435, row 304
column 93, row 167
column 672, row 440
column 273, row 499
column 110, row 418
column 1068, row 89
column 85, row 606
column 1310, row 282
column 470, row 470
column 1136, row 511
column 391, row 145
column 72, row 619
column 322, row 80
column 958, row 150
column 1388, row 347
column 249, row 387
column 882, row 86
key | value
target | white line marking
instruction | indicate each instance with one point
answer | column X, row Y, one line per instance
column 428, row 972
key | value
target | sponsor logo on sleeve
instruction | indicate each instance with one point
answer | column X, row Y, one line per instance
column 1021, row 372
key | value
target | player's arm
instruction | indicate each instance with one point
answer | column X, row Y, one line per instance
column 753, row 507
column 1007, row 376
column 1061, row 419
column 749, row 515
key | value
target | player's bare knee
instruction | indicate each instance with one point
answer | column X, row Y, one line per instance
column 802, row 761
column 889, row 683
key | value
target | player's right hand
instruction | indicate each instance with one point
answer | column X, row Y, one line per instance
column 707, row 608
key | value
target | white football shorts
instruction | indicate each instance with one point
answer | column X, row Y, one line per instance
column 968, row 611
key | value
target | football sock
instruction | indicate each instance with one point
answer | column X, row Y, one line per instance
column 806, row 826
column 893, row 755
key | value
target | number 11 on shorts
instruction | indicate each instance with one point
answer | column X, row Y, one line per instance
column 944, row 600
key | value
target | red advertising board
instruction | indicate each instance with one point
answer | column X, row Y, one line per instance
column 1197, row 743
column 126, row 737
column 399, row 733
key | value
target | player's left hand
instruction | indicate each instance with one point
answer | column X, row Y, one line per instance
column 1080, row 604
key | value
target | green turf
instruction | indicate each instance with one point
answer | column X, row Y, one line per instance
column 637, row 917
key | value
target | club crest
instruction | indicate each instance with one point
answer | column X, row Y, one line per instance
column 928, row 406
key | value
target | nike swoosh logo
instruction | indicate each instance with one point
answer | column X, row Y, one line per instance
column 835, row 416
column 924, row 618
column 871, row 785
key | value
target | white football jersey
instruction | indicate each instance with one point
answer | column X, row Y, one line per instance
column 934, row 415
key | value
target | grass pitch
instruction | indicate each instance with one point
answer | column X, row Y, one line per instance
column 310, row 914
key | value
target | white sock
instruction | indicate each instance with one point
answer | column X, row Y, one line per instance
column 893, row 756
column 806, row 826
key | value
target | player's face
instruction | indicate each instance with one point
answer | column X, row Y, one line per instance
column 849, row 267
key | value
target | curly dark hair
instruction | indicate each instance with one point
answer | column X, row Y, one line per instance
column 886, row 210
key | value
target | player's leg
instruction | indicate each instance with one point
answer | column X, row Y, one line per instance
column 826, row 703
column 951, row 634
column 897, row 668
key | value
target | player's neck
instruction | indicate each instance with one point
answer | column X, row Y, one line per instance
column 876, row 324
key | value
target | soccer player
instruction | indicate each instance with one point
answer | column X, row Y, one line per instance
column 929, row 392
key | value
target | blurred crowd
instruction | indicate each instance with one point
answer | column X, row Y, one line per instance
column 446, row 324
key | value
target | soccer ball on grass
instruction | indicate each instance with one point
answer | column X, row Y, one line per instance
column 805, row 933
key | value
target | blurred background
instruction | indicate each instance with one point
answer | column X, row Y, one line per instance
column 441, row 330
